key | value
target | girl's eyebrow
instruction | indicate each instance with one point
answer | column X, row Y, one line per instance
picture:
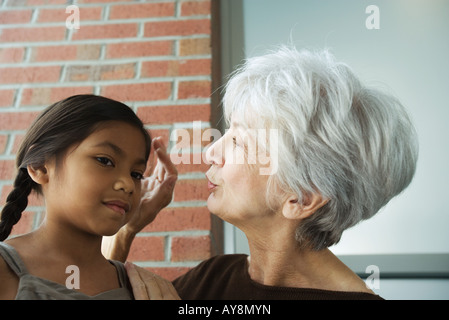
column 118, row 150
column 110, row 145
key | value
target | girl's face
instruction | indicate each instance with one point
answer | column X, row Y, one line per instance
column 97, row 186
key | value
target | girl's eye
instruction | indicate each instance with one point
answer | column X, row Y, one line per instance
column 137, row 175
column 105, row 161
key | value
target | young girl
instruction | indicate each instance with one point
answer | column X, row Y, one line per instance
column 87, row 156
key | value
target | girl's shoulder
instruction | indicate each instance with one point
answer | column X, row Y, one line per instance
column 9, row 281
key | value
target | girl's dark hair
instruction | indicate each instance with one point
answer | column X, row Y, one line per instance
column 58, row 127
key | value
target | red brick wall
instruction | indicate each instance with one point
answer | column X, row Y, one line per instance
column 154, row 56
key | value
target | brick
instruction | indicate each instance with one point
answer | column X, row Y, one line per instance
column 16, row 143
column 159, row 69
column 194, row 89
column 190, row 248
column 187, row 162
column 147, row 10
column 175, row 68
column 147, row 248
column 15, row 16
column 11, row 55
column 196, row 46
column 193, row 8
column 34, row 200
column 188, row 137
column 59, row 15
column 30, row 74
column 3, row 142
column 117, row 72
column 177, row 28
column 66, row 52
column 47, row 96
column 88, row 52
column 180, row 219
column 35, row 2
column 138, row 92
column 17, row 120
column 189, row 189
column 195, row 67
column 33, row 34
column 7, row 169
column 102, row 1
column 100, row 72
column 139, row 49
column 107, row 31
column 6, row 98
column 163, row 133
column 174, row 113
column 4, row 193
column 193, row 166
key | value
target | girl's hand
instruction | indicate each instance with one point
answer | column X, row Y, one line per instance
column 156, row 193
column 157, row 189
column 149, row 286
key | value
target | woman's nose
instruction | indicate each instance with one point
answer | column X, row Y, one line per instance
column 214, row 154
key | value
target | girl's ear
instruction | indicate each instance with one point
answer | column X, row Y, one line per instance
column 292, row 209
column 38, row 175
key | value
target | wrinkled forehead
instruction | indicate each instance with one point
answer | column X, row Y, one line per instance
column 244, row 116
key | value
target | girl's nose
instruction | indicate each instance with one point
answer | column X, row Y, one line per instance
column 125, row 183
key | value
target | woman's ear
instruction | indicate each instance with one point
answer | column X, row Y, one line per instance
column 38, row 175
column 292, row 209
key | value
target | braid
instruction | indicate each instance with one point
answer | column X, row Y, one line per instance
column 16, row 202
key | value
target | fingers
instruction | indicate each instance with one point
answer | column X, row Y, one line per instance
column 139, row 288
column 149, row 286
column 163, row 161
column 166, row 168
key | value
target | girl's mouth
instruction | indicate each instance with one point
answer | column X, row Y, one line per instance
column 118, row 206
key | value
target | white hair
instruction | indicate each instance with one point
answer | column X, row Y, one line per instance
column 354, row 145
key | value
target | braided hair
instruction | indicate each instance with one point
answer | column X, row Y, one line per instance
column 58, row 127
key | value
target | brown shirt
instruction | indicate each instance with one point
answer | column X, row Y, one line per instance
column 226, row 277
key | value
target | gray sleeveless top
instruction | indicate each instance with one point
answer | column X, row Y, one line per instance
column 35, row 288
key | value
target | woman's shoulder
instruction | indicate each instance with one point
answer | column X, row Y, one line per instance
column 210, row 268
column 220, row 270
column 223, row 263
column 340, row 278
column 234, row 258
column 219, row 263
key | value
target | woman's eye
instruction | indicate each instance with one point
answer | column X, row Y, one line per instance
column 234, row 142
column 105, row 161
column 137, row 175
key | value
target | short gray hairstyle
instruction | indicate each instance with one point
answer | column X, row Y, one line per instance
column 353, row 144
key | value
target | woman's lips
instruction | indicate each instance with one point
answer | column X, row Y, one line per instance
column 211, row 186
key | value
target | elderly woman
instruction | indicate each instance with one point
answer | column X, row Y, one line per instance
column 342, row 151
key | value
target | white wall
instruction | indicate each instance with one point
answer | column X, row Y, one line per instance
column 416, row 289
